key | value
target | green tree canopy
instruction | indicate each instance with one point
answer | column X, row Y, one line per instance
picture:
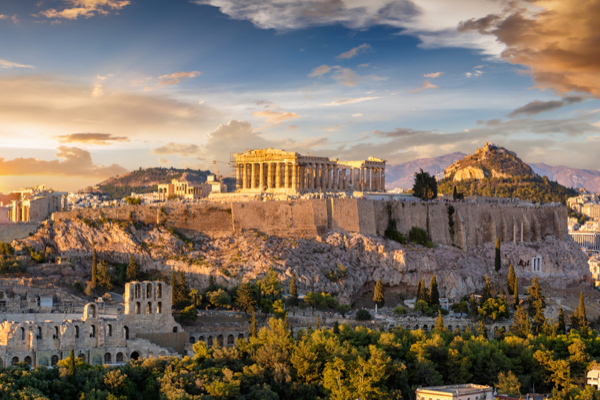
column 425, row 186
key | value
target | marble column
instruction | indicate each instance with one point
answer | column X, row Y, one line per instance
column 294, row 177
column 369, row 172
column 261, row 176
column 269, row 168
column 302, row 177
column 323, row 177
column 253, row 176
column 383, row 179
column 309, row 172
column 238, row 177
column 362, row 179
column 278, row 176
column 287, row 176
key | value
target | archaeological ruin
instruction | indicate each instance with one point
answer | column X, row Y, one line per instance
column 36, row 332
column 287, row 172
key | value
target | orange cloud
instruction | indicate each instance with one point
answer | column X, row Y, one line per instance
column 85, row 8
column 91, row 138
column 557, row 40
column 275, row 117
column 425, row 85
column 75, row 162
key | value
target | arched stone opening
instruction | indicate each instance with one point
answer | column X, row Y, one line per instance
column 149, row 308
column 425, row 328
column 14, row 361
column 119, row 357
column 109, row 330
column 54, row 360
column 149, row 291
column 56, row 332
column 82, row 356
column 27, row 360
column 159, row 307
column 210, row 341
column 126, row 332
column 137, row 290
column 240, row 336
column 192, row 340
column 93, row 331
column 174, row 329
column 76, row 332
column 39, row 333
column 107, row 358
column 138, row 307
column 135, row 355
column 159, row 291
column 220, row 340
column 230, row 340
column 22, row 334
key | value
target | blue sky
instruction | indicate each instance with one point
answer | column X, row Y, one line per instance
column 90, row 88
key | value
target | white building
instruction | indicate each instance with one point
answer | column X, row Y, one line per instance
column 468, row 391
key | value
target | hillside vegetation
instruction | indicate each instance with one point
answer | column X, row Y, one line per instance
column 495, row 171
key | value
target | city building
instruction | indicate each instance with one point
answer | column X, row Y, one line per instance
column 278, row 171
column 185, row 188
column 593, row 377
column 586, row 240
column 36, row 204
column 468, row 391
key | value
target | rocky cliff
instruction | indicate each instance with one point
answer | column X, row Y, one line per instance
column 250, row 254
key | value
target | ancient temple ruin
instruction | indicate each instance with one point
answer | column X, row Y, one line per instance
column 278, row 171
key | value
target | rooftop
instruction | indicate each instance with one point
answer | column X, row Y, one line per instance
column 456, row 389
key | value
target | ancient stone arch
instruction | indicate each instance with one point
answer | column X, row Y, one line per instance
column 14, row 361
column 107, row 358
column 220, row 340
column 134, row 355
column 174, row 329
column 126, row 332
column 119, row 357
column 159, row 307
column 159, row 291
column 209, row 342
column 240, row 336
column 192, row 339
column 54, row 360
column 230, row 340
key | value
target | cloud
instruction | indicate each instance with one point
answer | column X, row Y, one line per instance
column 425, row 85
column 556, row 39
column 30, row 104
column 174, row 79
column 433, row 75
column 363, row 65
column 9, row 64
column 275, row 117
column 72, row 161
column 536, row 107
column 164, row 161
column 348, row 101
column 85, row 8
column 344, row 76
column 355, row 51
column 14, row 18
column 183, row 150
column 91, row 138
column 434, row 22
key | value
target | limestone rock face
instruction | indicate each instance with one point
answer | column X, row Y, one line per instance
column 248, row 256
column 469, row 173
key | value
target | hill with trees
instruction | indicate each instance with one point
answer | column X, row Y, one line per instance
column 495, row 171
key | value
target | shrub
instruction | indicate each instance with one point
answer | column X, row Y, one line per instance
column 336, row 274
column 399, row 310
column 78, row 286
column 392, row 233
column 419, row 236
column 6, row 249
column 189, row 314
column 363, row 315
column 219, row 298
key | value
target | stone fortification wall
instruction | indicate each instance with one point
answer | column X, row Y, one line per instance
column 470, row 225
column 11, row 231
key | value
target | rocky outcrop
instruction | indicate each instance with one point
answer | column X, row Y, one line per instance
column 355, row 260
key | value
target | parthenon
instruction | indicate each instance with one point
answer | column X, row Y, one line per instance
column 278, row 171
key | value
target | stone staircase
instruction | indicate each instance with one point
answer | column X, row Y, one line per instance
column 147, row 348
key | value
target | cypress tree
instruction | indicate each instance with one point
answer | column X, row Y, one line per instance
column 71, row 363
column 561, row 322
column 253, row 327
column 457, row 330
column 521, row 325
column 434, row 294
column 537, row 304
column 482, row 331
column 516, row 294
column 510, row 282
column 132, row 270
column 336, row 328
column 582, row 316
column 94, row 269
column 378, row 297
column 439, row 322
column 318, row 323
column 467, row 329
column 293, row 289
column 419, row 290
column 423, row 295
column 454, row 194
column 487, row 290
column 173, row 282
column 498, row 260
column 575, row 319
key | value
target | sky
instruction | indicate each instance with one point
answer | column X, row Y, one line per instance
column 95, row 88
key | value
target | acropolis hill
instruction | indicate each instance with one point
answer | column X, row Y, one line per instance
column 240, row 241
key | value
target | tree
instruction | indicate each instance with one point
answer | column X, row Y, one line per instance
column 196, row 297
column 439, row 323
column 219, row 298
column 561, row 322
column 508, row 384
column 286, row 322
column 487, row 290
column 363, row 315
column 425, row 186
column 521, row 325
column 244, row 298
column 454, row 194
column 132, row 269
column 378, row 297
column 516, row 294
column 498, row 259
column 434, row 294
column 253, row 326
column 575, row 319
column 293, row 290
column 94, row 270
column 419, row 290
column 189, row 314
column 582, row 316
column 510, row 282
column 537, row 304
column 422, row 292
column 103, row 281
column 481, row 329
column 71, row 363
column 174, row 278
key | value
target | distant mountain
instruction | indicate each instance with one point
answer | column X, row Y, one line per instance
column 402, row 175
column 570, row 177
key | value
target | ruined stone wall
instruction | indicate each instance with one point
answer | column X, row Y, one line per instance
column 474, row 224
column 11, row 231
